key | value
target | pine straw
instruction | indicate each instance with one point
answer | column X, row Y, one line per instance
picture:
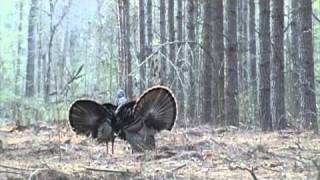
column 194, row 153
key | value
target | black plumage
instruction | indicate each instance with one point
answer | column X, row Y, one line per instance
column 92, row 119
column 133, row 121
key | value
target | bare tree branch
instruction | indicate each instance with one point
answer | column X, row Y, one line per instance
column 42, row 10
column 315, row 17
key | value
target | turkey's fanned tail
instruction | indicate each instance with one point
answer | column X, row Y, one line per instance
column 88, row 117
column 157, row 108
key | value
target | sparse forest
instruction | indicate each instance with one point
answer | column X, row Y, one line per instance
column 236, row 83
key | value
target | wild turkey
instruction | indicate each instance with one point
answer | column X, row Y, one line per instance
column 92, row 119
column 133, row 121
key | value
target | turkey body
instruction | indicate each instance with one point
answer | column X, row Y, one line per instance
column 135, row 121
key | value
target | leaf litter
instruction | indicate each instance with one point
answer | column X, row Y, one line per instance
column 54, row 151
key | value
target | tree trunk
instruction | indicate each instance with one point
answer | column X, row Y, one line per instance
column 44, row 74
column 240, row 51
column 142, row 55
column 30, row 90
column 218, row 62
column 99, row 61
column 129, row 86
column 198, row 61
column 277, row 65
column 180, row 61
column 264, row 66
column 253, row 60
column 152, row 72
column 163, row 71
column 190, row 56
column 17, row 91
column 307, row 76
column 245, row 47
column 19, row 51
column 63, row 61
column 295, row 99
column 207, row 63
column 243, row 57
column 40, row 52
column 172, row 53
column 121, row 45
column 231, row 76
column 50, row 44
column 52, row 33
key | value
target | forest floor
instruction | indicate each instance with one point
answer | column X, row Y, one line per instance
column 54, row 151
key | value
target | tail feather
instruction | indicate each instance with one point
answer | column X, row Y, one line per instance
column 157, row 107
column 85, row 116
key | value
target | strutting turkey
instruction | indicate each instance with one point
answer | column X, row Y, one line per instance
column 134, row 121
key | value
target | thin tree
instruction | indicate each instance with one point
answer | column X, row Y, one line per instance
column 99, row 44
column 231, row 76
column 277, row 65
column 242, row 11
column 309, row 108
column 63, row 60
column 218, row 61
column 152, row 70
column 29, row 88
column 180, row 59
column 242, row 36
column 190, row 56
column 214, row 59
column 40, row 51
column 53, row 30
column 142, row 41
column 129, row 81
column 207, row 64
column 17, row 114
column 294, row 50
column 197, row 59
column 245, row 45
column 19, row 50
column 264, row 66
column 50, row 44
column 252, row 58
column 163, row 50
column 121, row 44
column 172, row 46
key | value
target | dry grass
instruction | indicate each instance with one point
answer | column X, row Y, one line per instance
column 194, row 153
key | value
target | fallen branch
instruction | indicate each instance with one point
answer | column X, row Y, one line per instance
column 14, row 168
column 179, row 167
column 10, row 172
column 107, row 170
column 251, row 171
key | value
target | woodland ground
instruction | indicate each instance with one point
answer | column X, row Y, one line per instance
column 52, row 151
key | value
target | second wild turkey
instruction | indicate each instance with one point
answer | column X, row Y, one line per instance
column 135, row 121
